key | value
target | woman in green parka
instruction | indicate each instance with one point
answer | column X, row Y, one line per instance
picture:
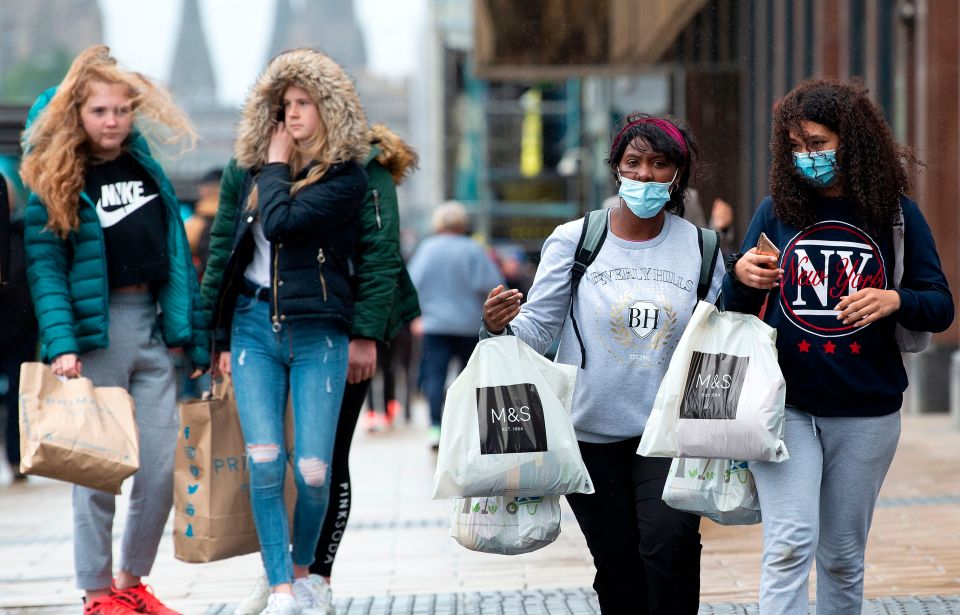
column 113, row 286
column 385, row 300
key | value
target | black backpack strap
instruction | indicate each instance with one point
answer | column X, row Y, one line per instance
column 708, row 241
column 591, row 240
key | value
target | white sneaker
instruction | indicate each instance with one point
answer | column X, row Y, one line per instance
column 256, row 600
column 314, row 595
column 282, row 604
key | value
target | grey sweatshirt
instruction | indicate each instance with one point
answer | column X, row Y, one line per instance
column 632, row 306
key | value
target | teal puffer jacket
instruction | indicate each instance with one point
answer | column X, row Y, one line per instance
column 68, row 277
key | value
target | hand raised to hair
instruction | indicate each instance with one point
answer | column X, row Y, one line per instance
column 281, row 144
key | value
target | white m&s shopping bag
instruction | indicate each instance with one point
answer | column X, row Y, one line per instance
column 723, row 394
column 505, row 525
column 506, row 426
column 721, row 490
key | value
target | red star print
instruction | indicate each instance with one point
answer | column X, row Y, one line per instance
column 829, row 347
column 855, row 348
column 804, row 346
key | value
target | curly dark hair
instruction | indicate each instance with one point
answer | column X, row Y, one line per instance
column 869, row 165
column 661, row 142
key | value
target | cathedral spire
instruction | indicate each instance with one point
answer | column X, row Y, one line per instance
column 192, row 78
column 328, row 25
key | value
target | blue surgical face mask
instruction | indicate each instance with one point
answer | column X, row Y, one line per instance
column 645, row 199
column 818, row 167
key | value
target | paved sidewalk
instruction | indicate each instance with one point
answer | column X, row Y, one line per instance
column 397, row 558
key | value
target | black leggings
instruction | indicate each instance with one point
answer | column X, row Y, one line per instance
column 338, row 508
column 647, row 555
column 385, row 367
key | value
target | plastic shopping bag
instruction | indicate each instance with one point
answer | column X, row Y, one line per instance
column 506, row 426
column 723, row 394
column 721, row 490
column 505, row 525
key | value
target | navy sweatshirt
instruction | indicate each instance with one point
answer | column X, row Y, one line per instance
column 832, row 369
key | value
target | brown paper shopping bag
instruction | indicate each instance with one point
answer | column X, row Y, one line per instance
column 212, row 515
column 73, row 431
column 211, row 484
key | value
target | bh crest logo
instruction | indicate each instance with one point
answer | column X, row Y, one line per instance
column 643, row 318
column 823, row 264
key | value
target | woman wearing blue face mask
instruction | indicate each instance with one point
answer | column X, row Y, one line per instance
column 838, row 185
column 630, row 309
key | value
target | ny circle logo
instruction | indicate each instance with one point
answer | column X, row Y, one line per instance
column 821, row 265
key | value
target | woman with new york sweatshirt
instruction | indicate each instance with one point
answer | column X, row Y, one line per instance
column 113, row 285
column 631, row 307
column 838, row 184
column 284, row 306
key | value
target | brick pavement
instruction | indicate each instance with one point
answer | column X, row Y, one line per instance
column 397, row 558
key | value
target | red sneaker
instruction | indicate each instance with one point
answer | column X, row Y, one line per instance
column 370, row 421
column 393, row 410
column 111, row 605
column 142, row 596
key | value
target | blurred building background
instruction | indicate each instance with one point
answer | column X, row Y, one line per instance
column 38, row 40
column 511, row 103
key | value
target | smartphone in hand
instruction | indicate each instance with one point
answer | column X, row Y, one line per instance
column 767, row 247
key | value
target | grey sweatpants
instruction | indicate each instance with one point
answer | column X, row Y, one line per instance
column 819, row 503
column 136, row 360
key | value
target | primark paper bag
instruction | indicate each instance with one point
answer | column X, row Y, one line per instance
column 211, row 481
column 73, row 431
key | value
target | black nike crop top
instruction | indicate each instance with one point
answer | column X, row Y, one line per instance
column 134, row 221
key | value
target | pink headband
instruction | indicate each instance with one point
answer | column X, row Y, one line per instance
column 663, row 125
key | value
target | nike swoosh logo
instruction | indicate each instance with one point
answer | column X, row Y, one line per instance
column 116, row 213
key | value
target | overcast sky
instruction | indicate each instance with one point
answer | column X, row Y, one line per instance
column 142, row 34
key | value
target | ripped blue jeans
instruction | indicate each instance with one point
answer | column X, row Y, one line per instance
column 309, row 359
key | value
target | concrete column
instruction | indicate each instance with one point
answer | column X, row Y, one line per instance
column 935, row 113
column 931, row 380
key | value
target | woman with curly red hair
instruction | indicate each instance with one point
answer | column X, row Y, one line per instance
column 837, row 197
column 106, row 257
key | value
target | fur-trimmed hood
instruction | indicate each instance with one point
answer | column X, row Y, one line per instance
column 327, row 83
column 392, row 152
